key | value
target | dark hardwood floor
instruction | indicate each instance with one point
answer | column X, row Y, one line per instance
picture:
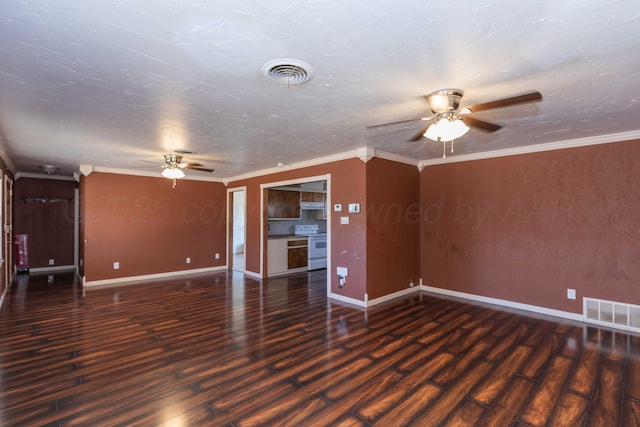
column 229, row 350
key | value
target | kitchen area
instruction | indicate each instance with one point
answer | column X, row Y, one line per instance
column 297, row 228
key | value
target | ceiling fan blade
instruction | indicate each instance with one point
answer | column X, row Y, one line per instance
column 197, row 167
column 534, row 96
column 398, row 122
column 419, row 135
column 480, row 124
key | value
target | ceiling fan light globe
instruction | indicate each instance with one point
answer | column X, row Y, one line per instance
column 173, row 173
column 446, row 130
column 456, row 129
column 433, row 131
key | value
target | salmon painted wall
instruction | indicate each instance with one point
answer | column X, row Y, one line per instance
column 525, row 228
column 348, row 245
column 44, row 211
column 150, row 228
column 393, row 227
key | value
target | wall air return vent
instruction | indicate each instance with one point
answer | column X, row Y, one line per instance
column 614, row 314
column 287, row 71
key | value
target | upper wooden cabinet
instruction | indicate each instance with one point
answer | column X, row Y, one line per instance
column 283, row 204
column 274, row 203
column 312, row 196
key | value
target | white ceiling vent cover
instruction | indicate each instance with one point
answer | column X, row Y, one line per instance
column 288, row 71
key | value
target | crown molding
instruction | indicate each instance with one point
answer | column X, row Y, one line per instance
column 299, row 165
column 537, row 148
column 43, row 176
column 397, row 158
column 154, row 174
column 366, row 154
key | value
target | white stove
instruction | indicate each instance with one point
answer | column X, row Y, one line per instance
column 317, row 249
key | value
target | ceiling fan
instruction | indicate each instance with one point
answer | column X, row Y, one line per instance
column 173, row 167
column 449, row 122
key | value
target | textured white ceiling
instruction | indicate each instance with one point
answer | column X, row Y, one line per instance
column 117, row 83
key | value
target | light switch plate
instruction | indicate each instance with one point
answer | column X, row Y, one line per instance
column 354, row 207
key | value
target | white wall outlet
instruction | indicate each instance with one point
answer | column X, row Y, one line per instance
column 188, row 260
column 217, row 255
column 344, row 220
column 354, row 207
column 571, row 294
column 52, row 261
column 343, row 272
column 116, row 265
column 337, row 207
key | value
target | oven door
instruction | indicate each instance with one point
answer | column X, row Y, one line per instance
column 317, row 247
column 317, row 252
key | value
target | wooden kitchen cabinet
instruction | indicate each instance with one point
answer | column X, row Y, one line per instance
column 297, row 253
column 291, row 204
column 276, row 256
column 312, row 196
column 286, row 255
column 282, row 204
column 274, row 203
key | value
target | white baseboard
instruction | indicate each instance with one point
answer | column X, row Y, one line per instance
column 252, row 274
column 4, row 293
column 147, row 277
column 505, row 303
column 348, row 300
column 393, row 296
column 284, row 273
column 368, row 303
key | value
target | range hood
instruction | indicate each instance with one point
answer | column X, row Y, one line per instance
column 311, row 205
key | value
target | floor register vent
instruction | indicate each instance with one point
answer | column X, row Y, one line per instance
column 610, row 313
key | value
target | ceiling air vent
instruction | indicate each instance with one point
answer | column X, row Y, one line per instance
column 287, row 71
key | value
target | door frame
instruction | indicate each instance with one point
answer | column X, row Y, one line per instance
column 230, row 221
column 7, row 228
column 264, row 221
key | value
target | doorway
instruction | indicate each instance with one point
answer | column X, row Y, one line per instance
column 275, row 227
column 237, row 228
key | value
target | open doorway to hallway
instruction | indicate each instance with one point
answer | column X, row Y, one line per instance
column 237, row 233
